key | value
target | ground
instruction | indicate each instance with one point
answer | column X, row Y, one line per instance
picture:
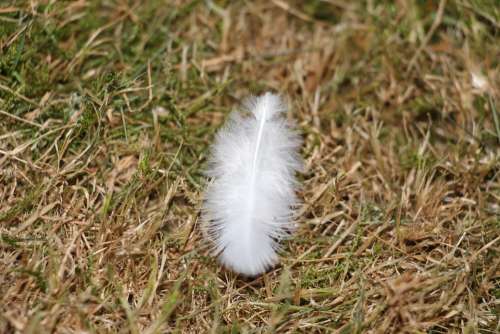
column 107, row 111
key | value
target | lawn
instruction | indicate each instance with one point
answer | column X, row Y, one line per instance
column 108, row 110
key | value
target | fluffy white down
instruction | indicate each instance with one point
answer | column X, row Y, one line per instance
column 248, row 204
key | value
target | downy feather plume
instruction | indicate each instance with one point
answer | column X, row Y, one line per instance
column 248, row 204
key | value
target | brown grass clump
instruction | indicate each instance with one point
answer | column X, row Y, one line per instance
column 106, row 112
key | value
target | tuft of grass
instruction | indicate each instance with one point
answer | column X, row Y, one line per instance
column 107, row 110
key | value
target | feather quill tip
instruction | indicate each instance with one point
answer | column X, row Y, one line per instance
column 248, row 204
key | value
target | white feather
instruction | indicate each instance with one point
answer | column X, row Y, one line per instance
column 248, row 205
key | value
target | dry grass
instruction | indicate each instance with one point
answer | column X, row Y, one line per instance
column 106, row 112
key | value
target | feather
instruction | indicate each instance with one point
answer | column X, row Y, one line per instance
column 248, row 204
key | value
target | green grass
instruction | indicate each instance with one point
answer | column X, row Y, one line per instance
column 107, row 111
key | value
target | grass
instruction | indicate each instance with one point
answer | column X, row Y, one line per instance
column 107, row 109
